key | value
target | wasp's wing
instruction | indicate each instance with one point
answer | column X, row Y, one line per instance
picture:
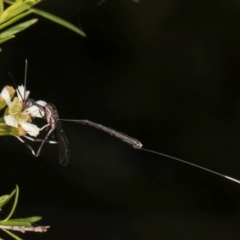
column 63, row 145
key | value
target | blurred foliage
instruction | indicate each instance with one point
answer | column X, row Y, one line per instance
column 21, row 8
column 17, row 223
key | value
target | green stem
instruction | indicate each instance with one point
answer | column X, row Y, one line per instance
column 14, row 205
column 11, row 234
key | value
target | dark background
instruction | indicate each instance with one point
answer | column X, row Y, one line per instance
column 165, row 72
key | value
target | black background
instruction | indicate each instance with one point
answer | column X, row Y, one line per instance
column 165, row 72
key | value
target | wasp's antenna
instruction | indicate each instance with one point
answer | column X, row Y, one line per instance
column 25, row 79
column 15, row 85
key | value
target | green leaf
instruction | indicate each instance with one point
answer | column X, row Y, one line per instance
column 17, row 8
column 7, row 199
column 59, row 20
column 32, row 219
column 1, row 7
column 3, row 198
column 24, row 222
column 10, row 2
column 6, row 39
column 27, row 221
column 17, row 28
column 14, row 204
column 14, row 19
column 15, row 223
column 11, row 234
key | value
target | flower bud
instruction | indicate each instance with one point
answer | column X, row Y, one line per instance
column 18, row 131
column 7, row 93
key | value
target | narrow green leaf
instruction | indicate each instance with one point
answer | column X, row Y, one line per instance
column 11, row 2
column 10, row 9
column 17, row 8
column 27, row 220
column 15, row 223
column 14, row 205
column 17, row 28
column 7, row 199
column 12, row 234
column 59, row 20
column 3, row 198
column 14, row 19
column 33, row 219
column 6, row 39
column 1, row 7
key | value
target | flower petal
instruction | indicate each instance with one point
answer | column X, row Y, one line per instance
column 10, row 121
column 36, row 111
column 6, row 96
column 31, row 129
column 22, row 94
column 41, row 102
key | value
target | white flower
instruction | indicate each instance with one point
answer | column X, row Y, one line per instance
column 17, row 117
column 31, row 129
column 22, row 93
